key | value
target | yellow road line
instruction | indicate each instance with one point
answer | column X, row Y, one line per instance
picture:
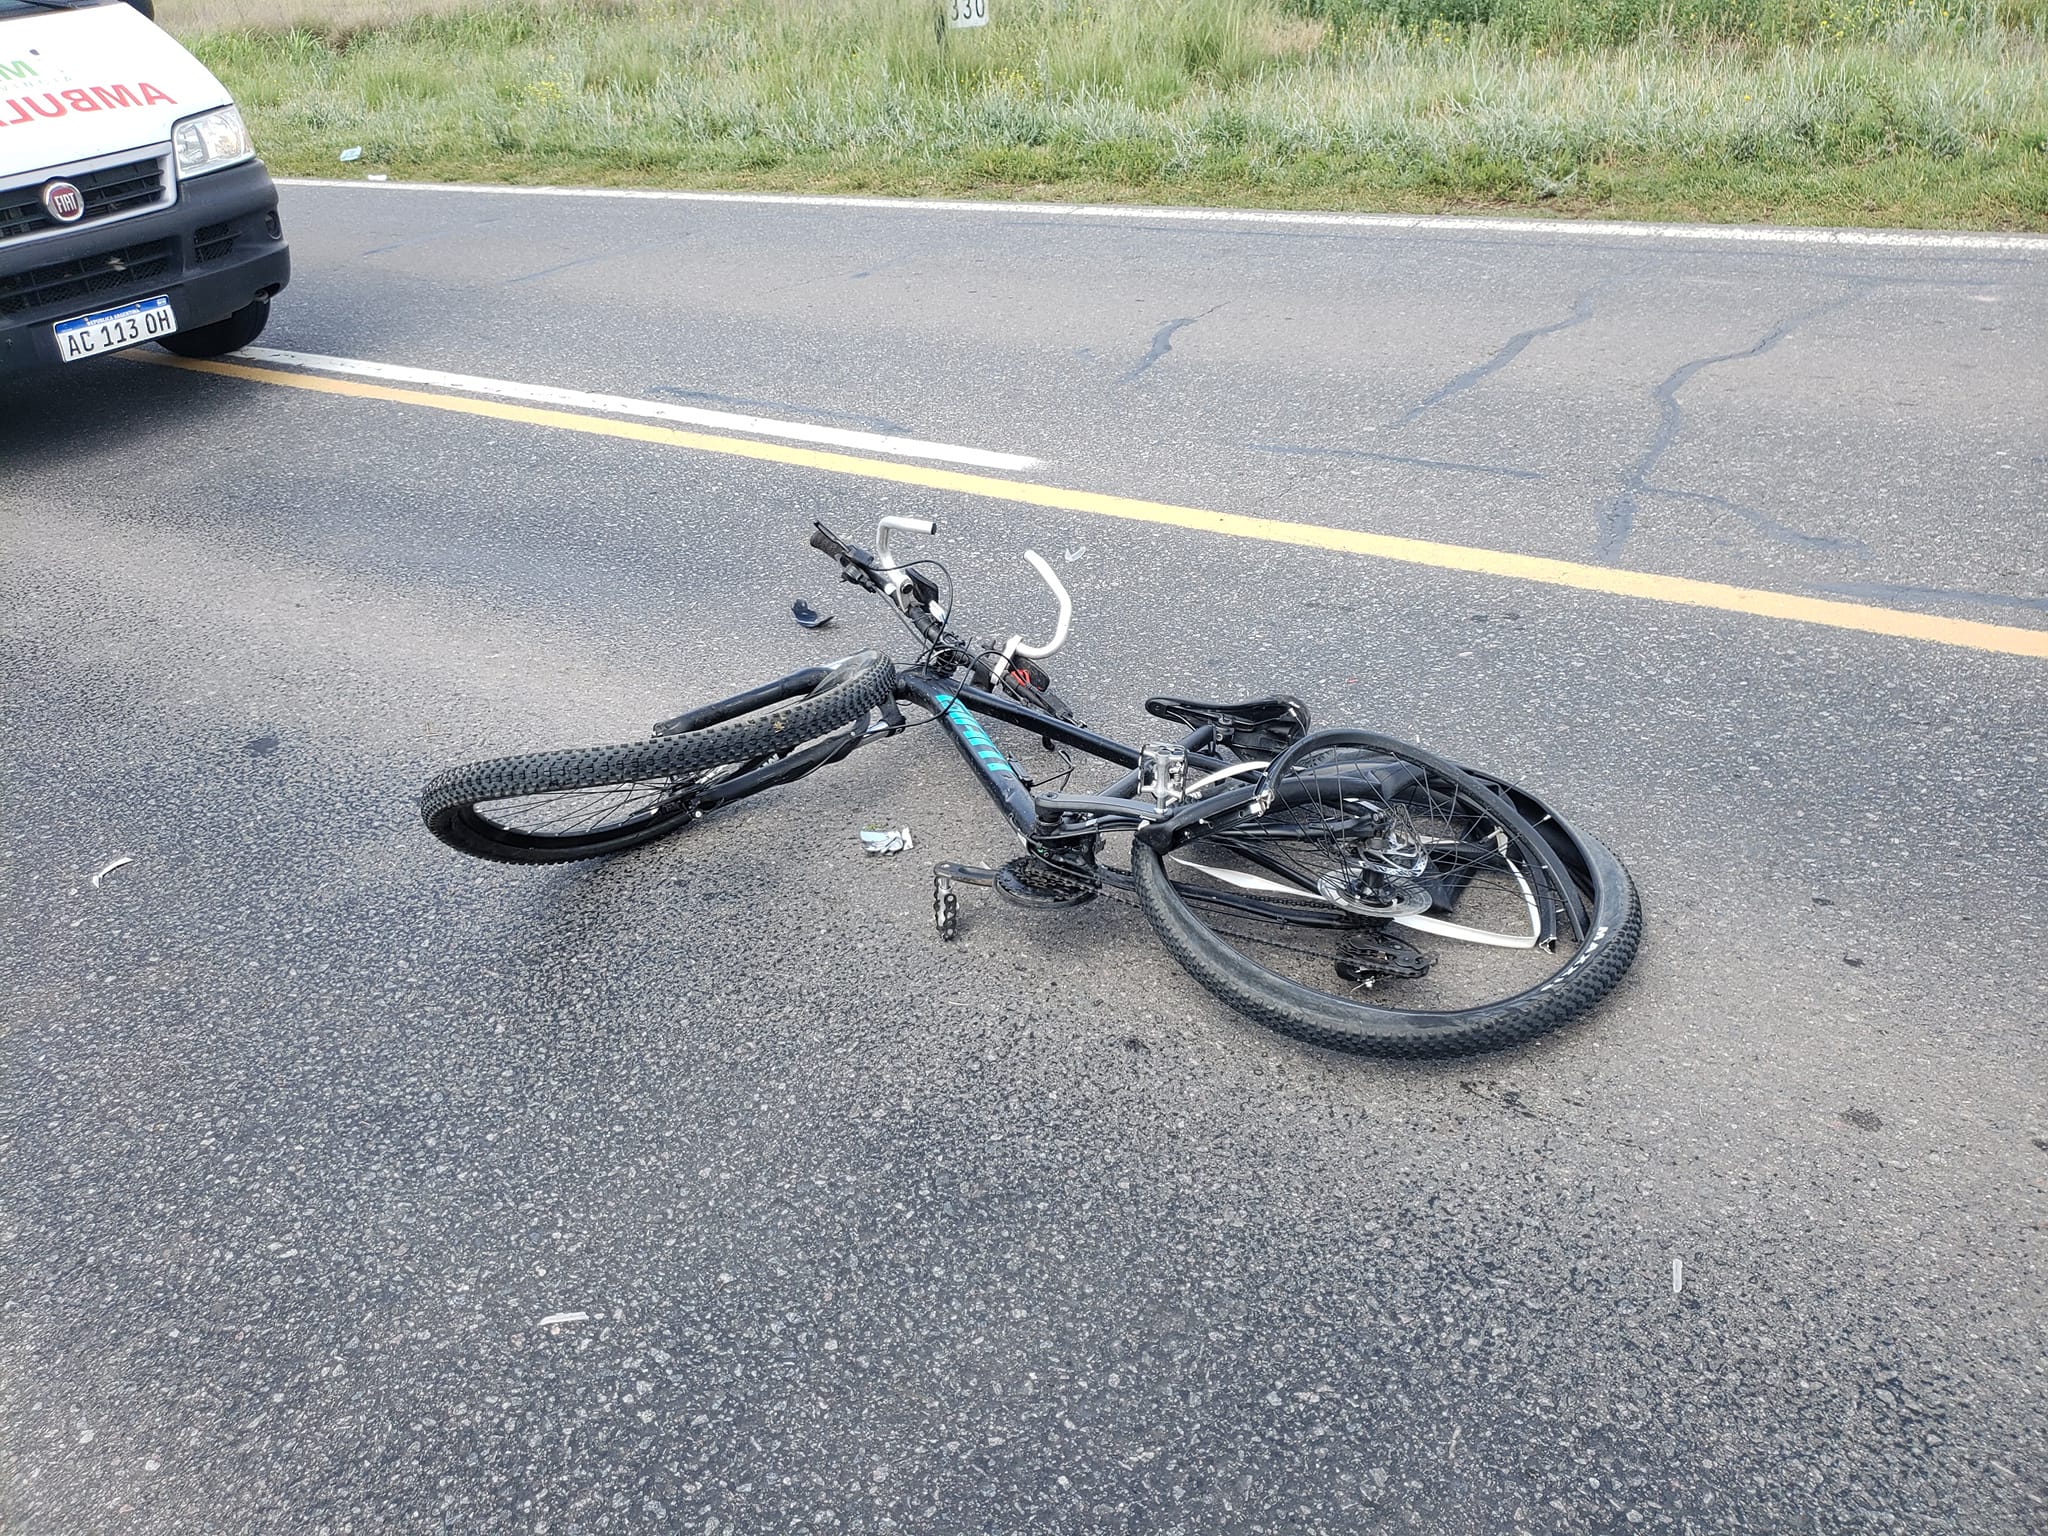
column 2009, row 640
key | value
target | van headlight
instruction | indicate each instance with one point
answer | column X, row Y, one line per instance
column 211, row 140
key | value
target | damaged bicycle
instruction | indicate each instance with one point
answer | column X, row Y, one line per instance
column 1342, row 887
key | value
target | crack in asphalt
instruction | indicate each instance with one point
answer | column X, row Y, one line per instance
column 433, row 234
column 1763, row 522
column 1582, row 311
column 1618, row 517
column 1162, row 340
column 1399, row 458
column 1868, row 590
column 1512, row 348
column 581, row 261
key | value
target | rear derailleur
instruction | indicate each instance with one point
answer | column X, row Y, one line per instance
column 1373, row 952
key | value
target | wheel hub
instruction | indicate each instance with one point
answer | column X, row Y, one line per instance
column 1371, row 892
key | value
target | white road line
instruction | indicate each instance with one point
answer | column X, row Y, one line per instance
column 652, row 410
column 1439, row 224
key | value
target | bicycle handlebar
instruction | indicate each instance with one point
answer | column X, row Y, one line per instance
column 1059, row 633
column 826, row 541
column 855, row 564
column 885, row 561
column 916, row 595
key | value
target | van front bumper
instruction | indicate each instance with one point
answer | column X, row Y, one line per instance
column 216, row 250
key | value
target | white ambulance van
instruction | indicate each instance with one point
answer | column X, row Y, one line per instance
column 132, row 207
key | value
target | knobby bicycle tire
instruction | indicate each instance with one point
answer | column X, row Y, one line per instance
column 1606, row 948
column 670, row 768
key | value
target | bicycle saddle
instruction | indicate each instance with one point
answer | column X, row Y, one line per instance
column 1258, row 724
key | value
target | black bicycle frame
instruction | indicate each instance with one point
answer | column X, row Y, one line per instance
column 937, row 689
column 958, row 704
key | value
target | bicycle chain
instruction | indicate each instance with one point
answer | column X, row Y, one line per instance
column 1115, row 894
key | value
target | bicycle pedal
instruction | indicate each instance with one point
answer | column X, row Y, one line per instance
column 1038, row 886
column 945, row 909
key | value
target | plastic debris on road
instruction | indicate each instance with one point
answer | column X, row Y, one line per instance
column 808, row 616
column 554, row 1319
column 886, row 840
column 109, row 867
column 353, row 152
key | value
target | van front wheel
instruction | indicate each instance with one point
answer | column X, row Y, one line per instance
column 238, row 330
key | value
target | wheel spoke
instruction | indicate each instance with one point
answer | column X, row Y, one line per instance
column 584, row 812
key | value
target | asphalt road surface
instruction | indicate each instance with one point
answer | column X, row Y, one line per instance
column 312, row 1126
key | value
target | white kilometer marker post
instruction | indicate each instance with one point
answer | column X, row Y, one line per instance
column 650, row 410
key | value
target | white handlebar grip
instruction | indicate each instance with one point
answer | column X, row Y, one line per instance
column 1059, row 634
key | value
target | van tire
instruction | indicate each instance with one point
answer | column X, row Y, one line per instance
column 238, row 330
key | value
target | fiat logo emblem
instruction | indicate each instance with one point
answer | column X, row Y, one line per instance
column 65, row 202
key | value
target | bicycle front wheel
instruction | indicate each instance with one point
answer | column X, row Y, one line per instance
column 1389, row 902
column 586, row 802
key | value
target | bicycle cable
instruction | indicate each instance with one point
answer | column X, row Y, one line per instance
column 933, row 650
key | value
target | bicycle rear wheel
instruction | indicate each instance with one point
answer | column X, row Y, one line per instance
column 587, row 802
column 1389, row 902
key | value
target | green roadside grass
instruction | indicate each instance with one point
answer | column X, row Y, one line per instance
column 1869, row 112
